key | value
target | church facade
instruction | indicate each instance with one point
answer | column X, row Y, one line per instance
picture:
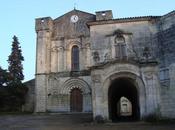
column 114, row 68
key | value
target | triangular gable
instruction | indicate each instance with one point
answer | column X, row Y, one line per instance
column 64, row 27
column 74, row 11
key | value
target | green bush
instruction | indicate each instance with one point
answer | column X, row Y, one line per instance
column 12, row 98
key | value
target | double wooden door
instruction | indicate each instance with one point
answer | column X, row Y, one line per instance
column 76, row 100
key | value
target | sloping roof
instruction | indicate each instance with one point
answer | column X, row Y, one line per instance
column 122, row 20
column 117, row 20
column 32, row 81
column 169, row 14
column 131, row 19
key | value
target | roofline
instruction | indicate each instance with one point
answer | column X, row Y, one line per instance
column 168, row 14
column 29, row 81
column 84, row 12
column 123, row 20
column 102, row 11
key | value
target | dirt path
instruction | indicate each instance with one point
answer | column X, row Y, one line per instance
column 71, row 122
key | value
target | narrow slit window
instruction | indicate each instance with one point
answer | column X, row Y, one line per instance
column 75, row 58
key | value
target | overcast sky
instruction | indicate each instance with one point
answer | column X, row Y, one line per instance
column 17, row 17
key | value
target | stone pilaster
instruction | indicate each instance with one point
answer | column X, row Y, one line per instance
column 40, row 92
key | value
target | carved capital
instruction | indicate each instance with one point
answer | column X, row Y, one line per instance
column 60, row 48
column 54, row 49
column 148, row 75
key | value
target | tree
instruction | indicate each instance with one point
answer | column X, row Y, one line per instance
column 3, row 77
column 15, row 67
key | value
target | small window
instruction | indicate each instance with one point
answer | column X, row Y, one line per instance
column 75, row 58
column 42, row 20
column 103, row 14
column 164, row 74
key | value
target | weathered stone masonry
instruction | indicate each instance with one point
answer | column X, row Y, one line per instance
column 87, row 62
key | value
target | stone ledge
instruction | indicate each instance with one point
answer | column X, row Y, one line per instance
column 68, row 73
column 141, row 63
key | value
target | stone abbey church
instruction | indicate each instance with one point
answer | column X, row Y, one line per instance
column 114, row 68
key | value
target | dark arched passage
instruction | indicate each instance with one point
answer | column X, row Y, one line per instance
column 123, row 87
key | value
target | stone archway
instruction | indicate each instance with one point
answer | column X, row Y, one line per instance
column 78, row 95
column 123, row 87
column 136, row 86
column 141, row 89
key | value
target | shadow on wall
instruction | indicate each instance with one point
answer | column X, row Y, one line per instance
column 29, row 99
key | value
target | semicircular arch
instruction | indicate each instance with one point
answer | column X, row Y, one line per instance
column 75, row 83
column 137, row 82
column 73, row 43
column 123, row 74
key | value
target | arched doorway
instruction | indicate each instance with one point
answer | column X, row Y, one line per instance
column 76, row 100
column 123, row 88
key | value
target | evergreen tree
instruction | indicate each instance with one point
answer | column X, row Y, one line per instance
column 15, row 67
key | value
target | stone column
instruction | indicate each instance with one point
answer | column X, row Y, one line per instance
column 99, row 107
column 54, row 59
column 41, row 95
column 87, row 55
column 87, row 106
column 44, row 30
column 60, row 59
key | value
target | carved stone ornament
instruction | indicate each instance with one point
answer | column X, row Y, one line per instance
column 107, row 56
column 96, row 78
column 87, row 45
column 96, row 56
column 60, row 48
column 55, row 93
column 149, row 75
column 147, row 53
column 53, row 77
column 54, row 49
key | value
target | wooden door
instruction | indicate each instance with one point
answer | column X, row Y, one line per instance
column 76, row 100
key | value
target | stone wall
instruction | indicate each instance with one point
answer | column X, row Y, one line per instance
column 145, row 39
column 40, row 93
column 64, row 28
column 61, row 54
column 30, row 97
column 55, row 39
column 166, row 55
column 144, row 78
column 59, row 88
column 166, row 39
column 167, row 94
column 137, row 34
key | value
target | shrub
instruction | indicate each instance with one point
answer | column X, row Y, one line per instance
column 12, row 98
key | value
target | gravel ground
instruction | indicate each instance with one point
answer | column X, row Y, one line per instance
column 71, row 122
